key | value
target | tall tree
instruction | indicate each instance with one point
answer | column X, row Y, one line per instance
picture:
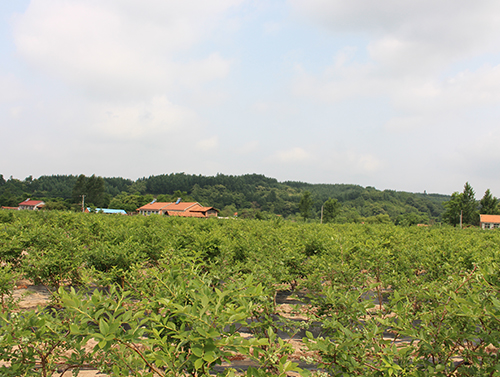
column 305, row 205
column 331, row 210
column 129, row 202
column 79, row 189
column 95, row 190
column 461, row 204
column 489, row 204
column 469, row 205
column 452, row 207
column 92, row 187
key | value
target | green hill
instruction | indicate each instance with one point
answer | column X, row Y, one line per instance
column 250, row 195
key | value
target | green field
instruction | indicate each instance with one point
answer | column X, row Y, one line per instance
column 171, row 296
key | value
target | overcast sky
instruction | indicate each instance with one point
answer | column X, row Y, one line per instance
column 395, row 94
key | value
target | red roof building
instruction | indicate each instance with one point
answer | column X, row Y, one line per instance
column 155, row 208
column 489, row 221
column 181, row 209
column 31, row 205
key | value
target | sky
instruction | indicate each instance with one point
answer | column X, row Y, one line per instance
column 395, row 94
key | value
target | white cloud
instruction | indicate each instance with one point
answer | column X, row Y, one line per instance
column 16, row 111
column 292, row 155
column 461, row 25
column 121, row 48
column 209, row 144
column 365, row 163
column 10, row 88
column 352, row 162
column 155, row 121
column 261, row 107
column 409, row 44
column 401, row 123
column 271, row 27
column 248, row 147
column 465, row 89
column 476, row 160
column 411, row 48
column 196, row 72
column 419, row 80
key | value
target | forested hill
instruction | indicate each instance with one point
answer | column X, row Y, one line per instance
column 250, row 195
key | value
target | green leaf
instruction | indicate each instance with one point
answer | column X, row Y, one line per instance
column 103, row 327
column 198, row 364
column 74, row 329
column 198, row 352
column 210, row 357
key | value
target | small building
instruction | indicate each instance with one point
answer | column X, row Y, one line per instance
column 489, row 221
column 153, row 208
column 31, row 205
column 185, row 209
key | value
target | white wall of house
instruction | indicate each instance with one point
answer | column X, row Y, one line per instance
column 490, row 225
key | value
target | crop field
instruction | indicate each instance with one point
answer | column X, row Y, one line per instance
column 156, row 296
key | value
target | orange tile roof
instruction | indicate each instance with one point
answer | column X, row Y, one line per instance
column 201, row 209
column 184, row 209
column 156, row 206
column 29, row 202
column 183, row 206
column 490, row 218
column 180, row 207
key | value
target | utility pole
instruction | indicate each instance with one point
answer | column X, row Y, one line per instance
column 321, row 221
column 83, row 203
column 461, row 214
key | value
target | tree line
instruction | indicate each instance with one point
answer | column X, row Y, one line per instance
column 463, row 208
column 250, row 195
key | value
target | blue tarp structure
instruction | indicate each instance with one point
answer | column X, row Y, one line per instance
column 107, row 211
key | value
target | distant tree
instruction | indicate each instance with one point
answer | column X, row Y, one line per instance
column 228, row 211
column 59, row 205
column 79, row 189
column 452, row 207
column 129, row 202
column 331, row 210
column 92, row 187
column 260, row 215
column 138, row 187
column 489, row 204
column 305, row 205
column 2, row 180
column 348, row 215
column 461, row 204
column 412, row 218
column 378, row 219
column 175, row 196
column 469, row 205
column 8, row 199
column 95, row 191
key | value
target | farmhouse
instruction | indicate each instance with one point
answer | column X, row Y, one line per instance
column 187, row 209
column 489, row 221
column 31, row 205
